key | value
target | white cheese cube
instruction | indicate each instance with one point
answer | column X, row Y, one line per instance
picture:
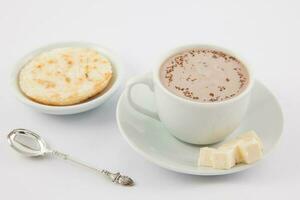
column 247, row 148
column 205, row 156
column 234, row 145
column 251, row 135
column 250, row 150
column 223, row 158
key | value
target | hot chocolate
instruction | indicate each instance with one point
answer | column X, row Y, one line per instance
column 204, row 75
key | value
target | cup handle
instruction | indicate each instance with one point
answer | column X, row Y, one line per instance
column 146, row 80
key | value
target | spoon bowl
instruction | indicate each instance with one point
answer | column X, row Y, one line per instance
column 27, row 143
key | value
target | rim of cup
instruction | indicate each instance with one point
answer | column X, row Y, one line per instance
column 156, row 73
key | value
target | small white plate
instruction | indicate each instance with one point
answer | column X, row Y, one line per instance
column 77, row 108
column 150, row 139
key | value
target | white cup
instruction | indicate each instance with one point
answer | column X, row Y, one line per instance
column 190, row 121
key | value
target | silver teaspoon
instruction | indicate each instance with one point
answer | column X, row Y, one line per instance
column 30, row 144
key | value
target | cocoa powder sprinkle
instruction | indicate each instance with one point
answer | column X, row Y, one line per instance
column 186, row 76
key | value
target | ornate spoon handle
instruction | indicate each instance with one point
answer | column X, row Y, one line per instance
column 115, row 177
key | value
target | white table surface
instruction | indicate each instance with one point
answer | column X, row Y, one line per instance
column 265, row 32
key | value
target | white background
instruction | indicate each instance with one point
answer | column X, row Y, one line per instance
column 267, row 33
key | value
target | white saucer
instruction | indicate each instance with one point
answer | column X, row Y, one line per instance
column 149, row 137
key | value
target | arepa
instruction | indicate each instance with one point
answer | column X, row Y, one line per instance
column 65, row 76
